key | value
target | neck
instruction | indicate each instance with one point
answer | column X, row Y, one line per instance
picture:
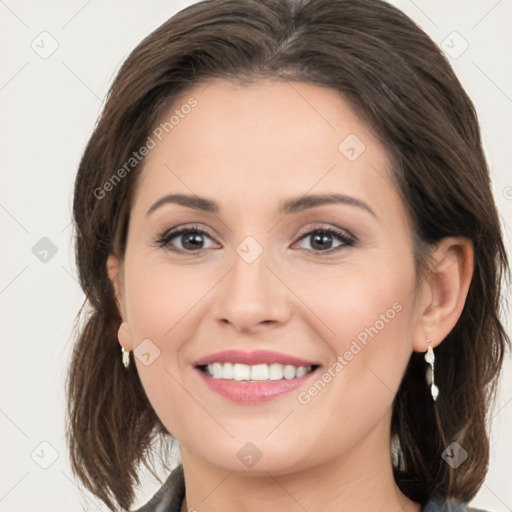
column 361, row 479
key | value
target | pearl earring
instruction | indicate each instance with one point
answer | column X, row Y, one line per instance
column 126, row 357
column 430, row 358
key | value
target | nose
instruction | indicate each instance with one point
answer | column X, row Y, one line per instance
column 251, row 297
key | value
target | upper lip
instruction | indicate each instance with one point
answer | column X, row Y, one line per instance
column 252, row 358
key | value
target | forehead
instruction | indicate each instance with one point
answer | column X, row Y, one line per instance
column 289, row 118
column 251, row 142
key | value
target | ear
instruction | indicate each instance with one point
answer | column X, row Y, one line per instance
column 443, row 293
column 116, row 276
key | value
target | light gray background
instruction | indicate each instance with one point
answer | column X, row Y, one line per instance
column 49, row 105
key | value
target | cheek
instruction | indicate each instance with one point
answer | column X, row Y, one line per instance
column 358, row 302
column 161, row 295
column 165, row 305
column 365, row 318
column 370, row 348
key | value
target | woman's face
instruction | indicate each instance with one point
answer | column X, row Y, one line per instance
column 274, row 267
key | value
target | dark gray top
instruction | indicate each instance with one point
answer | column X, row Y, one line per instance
column 170, row 497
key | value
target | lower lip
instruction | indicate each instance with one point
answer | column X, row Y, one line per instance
column 253, row 392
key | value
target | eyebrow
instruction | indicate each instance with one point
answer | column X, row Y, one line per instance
column 289, row 206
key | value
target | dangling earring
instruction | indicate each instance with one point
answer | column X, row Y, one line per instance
column 430, row 358
column 126, row 357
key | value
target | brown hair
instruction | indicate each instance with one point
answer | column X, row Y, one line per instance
column 398, row 80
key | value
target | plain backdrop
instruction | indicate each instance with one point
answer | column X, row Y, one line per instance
column 58, row 59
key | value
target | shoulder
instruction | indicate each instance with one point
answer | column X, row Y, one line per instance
column 170, row 496
column 436, row 505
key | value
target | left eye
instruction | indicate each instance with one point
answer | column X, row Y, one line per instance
column 321, row 239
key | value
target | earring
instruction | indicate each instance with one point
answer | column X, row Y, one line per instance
column 126, row 357
column 430, row 358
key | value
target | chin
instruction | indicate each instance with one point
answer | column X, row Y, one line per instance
column 253, row 459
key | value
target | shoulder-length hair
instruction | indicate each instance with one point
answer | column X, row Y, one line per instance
column 396, row 78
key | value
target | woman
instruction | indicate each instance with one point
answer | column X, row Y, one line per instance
column 287, row 237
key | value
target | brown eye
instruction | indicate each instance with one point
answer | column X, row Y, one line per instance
column 192, row 241
column 188, row 240
column 322, row 239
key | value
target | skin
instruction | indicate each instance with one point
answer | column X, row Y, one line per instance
column 249, row 148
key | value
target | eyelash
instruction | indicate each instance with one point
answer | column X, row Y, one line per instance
column 165, row 238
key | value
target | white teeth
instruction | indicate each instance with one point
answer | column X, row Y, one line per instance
column 216, row 370
column 257, row 372
column 241, row 372
column 301, row 371
column 227, row 371
column 289, row 371
column 275, row 371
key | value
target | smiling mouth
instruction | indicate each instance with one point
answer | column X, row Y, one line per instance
column 255, row 373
